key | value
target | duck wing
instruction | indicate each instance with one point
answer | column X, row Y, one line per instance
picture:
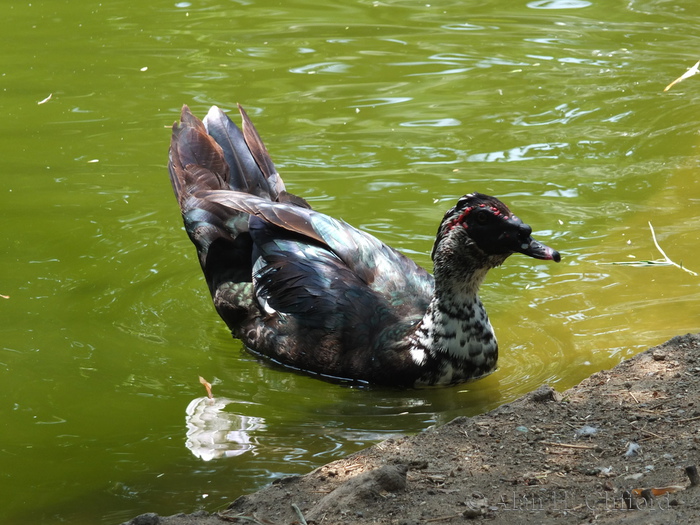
column 327, row 298
column 382, row 269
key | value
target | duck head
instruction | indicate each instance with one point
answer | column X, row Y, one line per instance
column 480, row 231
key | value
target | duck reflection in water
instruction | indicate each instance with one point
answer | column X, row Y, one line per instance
column 214, row 433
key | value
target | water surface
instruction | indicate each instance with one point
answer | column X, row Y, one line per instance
column 380, row 113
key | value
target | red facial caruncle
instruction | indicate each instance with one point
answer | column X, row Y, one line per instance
column 461, row 218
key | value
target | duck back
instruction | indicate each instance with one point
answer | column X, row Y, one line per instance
column 298, row 287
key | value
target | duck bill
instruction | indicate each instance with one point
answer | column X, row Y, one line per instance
column 538, row 250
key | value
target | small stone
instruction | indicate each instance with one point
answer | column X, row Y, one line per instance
column 586, row 431
column 472, row 514
column 544, row 394
column 633, row 449
column 658, row 355
column 286, row 479
column 150, row 518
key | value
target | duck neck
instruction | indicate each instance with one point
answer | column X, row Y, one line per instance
column 455, row 332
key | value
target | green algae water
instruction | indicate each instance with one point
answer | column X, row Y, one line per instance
column 381, row 113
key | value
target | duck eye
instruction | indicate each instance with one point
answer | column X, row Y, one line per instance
column 481, row 217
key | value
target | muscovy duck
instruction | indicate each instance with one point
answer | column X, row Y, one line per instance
column 314, row 294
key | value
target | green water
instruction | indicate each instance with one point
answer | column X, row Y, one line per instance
column 381, row 113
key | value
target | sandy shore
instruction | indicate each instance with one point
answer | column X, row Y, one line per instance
column 613, row 449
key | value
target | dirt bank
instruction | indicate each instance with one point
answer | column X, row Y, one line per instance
column 613, row 449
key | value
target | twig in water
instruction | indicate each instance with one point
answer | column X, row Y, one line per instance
column 666, row 261
column 692, row 71
column 666, row 257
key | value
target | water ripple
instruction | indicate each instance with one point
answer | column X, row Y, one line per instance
column 562, row 114
column 433, row 123
column 322, row 67
column 558, row 4
column 465, row 27
column 382, row 101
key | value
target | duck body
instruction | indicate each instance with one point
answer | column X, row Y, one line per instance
column 315, row 294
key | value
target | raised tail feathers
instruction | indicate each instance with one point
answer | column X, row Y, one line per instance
column 214, row 154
